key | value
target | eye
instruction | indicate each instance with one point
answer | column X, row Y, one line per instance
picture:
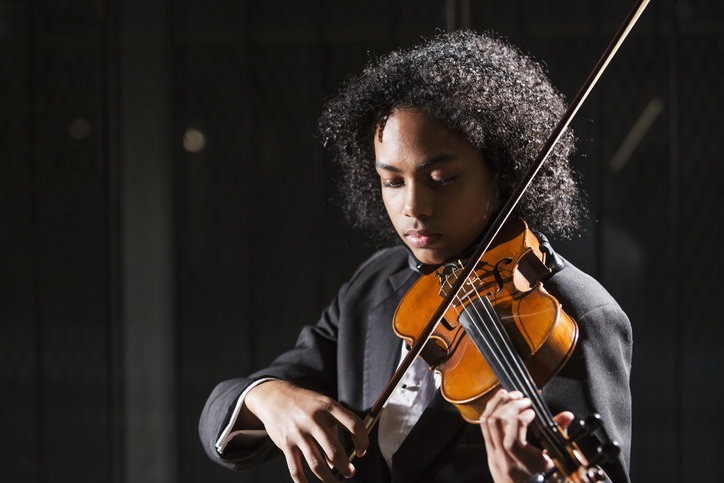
column 392, row 183
column 443, row 181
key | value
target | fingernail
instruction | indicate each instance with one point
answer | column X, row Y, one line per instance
column 362, row 453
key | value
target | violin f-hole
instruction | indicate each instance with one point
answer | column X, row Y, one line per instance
column 496, row 274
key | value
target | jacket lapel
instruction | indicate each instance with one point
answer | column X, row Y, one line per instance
column 383, row 347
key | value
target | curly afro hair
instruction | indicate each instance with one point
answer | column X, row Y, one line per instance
column 479, row 86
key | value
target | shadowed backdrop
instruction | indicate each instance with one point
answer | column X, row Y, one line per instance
column 168, row 216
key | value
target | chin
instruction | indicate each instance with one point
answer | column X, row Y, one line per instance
column 428, row 258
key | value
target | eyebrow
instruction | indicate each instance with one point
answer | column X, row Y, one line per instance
column 440, row 158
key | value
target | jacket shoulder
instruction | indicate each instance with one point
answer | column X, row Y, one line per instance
column 579, row 293
column 382, row 264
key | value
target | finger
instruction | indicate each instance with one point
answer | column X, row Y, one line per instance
column 334, row 452
column 564, row 419
column 513, row 420
column 498, row 398
column 489, row 444
column 504, row 424
column 515, row 395
column 317, row 463
column 516, row 431
column 354, row 425
column 529, row 457
column 294, row 465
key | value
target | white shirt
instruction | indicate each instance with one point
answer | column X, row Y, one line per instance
column 406, row 405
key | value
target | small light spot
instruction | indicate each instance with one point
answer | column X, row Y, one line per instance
column 80, row 129
column 194, row 140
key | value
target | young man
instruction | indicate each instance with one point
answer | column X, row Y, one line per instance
column 431, row 142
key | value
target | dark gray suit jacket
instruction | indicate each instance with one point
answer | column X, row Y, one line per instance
column 352, row 352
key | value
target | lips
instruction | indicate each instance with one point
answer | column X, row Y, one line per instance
column 421, row 238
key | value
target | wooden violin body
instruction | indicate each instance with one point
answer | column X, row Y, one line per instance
column 509, row 275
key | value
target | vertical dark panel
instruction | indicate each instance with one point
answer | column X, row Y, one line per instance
column 109, row 109
column 58, row 378
column 701, row 57
column 19, row 371
column 149, row 326
column 72, row 288
column 285, row 65
column 213, row 184
column 636, row 199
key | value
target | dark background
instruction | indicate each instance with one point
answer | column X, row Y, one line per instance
column 137, row 271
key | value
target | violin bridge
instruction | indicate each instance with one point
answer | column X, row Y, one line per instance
column 448, row 275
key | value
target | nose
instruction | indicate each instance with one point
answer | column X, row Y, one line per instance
column 418, row 201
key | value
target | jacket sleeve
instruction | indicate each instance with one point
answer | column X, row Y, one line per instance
column 596, row 380
column 311, row 363
column 215, row 417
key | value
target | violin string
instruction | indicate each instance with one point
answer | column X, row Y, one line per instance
column 513, row 369
column 527, row 381
column 522, row 378
column 510, row 364
column 499, row 356
column 516, row 369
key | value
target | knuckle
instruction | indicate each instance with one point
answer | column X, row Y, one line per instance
column 286, row 442
column 328, row 405
column 314, row 463
column 294, row 469
column 323, row 404
column 332, row 451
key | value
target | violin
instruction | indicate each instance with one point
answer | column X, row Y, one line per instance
column 504, row 329
column 499, row 287
column 505, row 285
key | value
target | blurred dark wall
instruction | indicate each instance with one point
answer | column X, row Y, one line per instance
column 167, row 216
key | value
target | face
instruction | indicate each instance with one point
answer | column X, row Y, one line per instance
column 438, row 189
